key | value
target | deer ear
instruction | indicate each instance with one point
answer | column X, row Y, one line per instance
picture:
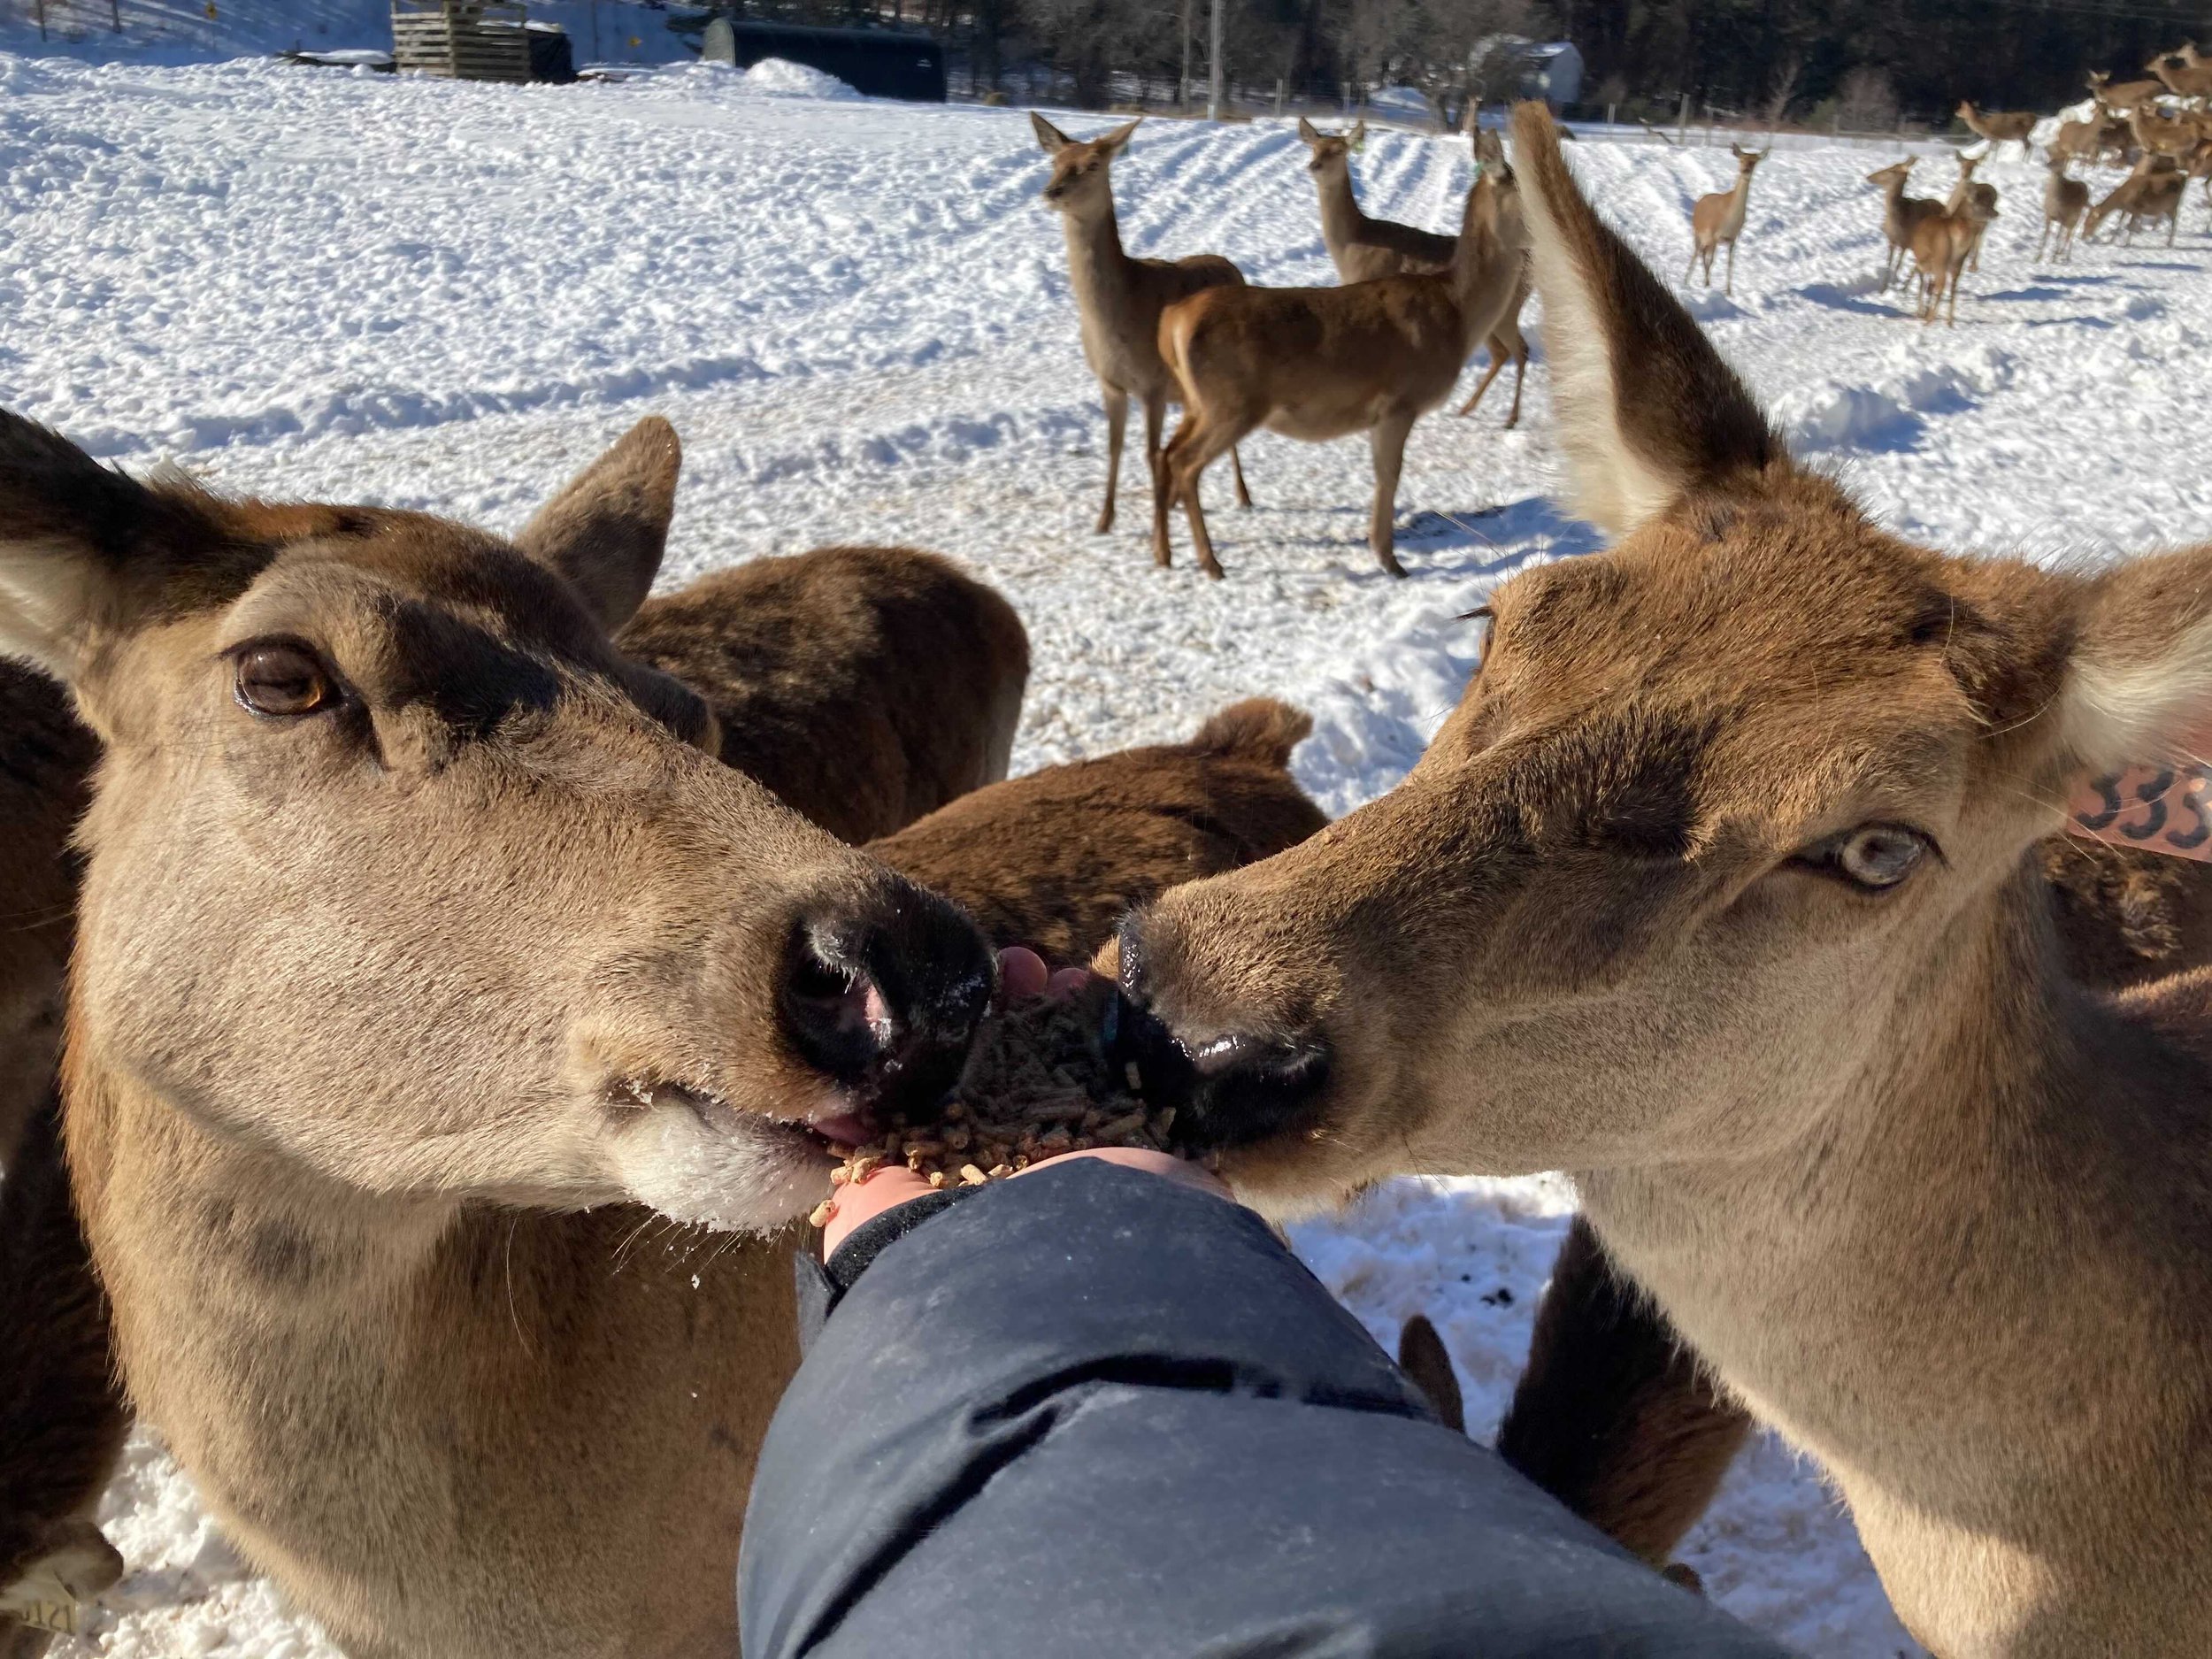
column 1049, row 136
column 1308, row 131
column 2139, row 683
column 1646, row 409
column 1113, row 141
column 607, row 530
column 87, row 551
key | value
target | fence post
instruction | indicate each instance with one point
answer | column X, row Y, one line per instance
column 1682, row 132
column 1609, row 109
column 1278, row 95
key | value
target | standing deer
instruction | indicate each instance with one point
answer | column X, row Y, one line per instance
column 2185, row 74
column 1901, row 215
column 1768, row 783
column 2000, row 126
column 2064, row 202
column 1942, row 245
column 2158, row 135
column 2119, row 99
column 2078, row 141
column 1317, row 364
column 2151, row 192
column 1120, row 300
column 1718, row 219
column 1362, row 249
column 1969, row 190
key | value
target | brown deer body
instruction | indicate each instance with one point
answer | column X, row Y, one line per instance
column 1317, row 364
column 915, row 669
column 581, row 967
column 2151, row 192
column 2185, row 74
column 1364, row 248
column 2064, row 202
column 2078, row 141
column 1901, row 215
column 1055, row 860
column 2119, row 99
column 2161, row 135
column 1942, row 245
column 1717, row 220
column 1965, row 192
column 2000, row 126
column 1120, row 299
column 1767, row 783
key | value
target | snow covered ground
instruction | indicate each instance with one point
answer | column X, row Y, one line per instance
column 332, row 284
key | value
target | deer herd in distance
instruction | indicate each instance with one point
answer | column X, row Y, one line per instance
column 1375, row 353
column 1883, row 1096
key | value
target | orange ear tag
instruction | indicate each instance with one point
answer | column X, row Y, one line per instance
column 2159, row 809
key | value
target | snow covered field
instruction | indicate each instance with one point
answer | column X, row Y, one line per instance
column 331, row 284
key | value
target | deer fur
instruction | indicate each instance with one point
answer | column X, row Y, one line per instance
column 2000, row 126
column 1966, row 191
column 2185, row 74
column 1317, row 364
column 1055, row 860
column 1119, row 300
column 1718, row 219
column 2064, row 202
column 2157, row 134
column 62, row 1420
column 2078, row 141
column 2118, row 99
column 394, row 1020
column 1614, row 1415
column 916, row 668
column 1362, row 249
column 1718, row 890
column 1901, row 215
column 2152, row 191
column 1942, row 245
column 46, row 757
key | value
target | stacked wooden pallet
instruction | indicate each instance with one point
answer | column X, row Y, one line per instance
column 464, row 40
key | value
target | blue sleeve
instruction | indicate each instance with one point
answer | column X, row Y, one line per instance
column 1093, row 1412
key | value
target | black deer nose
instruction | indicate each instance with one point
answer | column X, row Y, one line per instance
column 885, row 996
column 1230, row 1085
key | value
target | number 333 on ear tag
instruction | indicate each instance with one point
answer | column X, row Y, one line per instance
column 2159, row 809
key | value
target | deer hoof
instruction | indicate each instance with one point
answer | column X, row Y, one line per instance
column 1685, row 1575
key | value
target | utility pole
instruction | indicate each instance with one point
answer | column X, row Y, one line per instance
column 1213, row 92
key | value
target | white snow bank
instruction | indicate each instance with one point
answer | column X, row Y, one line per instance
column 780, row 78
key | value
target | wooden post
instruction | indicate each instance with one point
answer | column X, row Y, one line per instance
column 1682, row 131
column 41, row 18
column 115, row 12
column 1609, row 110
column 1182, row 87
column 1278, row 95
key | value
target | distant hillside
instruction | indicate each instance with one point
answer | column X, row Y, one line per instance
column 175, row 31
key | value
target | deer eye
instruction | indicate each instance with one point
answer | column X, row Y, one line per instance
column 1875, row 856
column 282, row 679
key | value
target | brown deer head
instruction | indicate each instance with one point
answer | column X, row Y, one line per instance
column 401, row 874
column 1081, row 185
column 1730, row 816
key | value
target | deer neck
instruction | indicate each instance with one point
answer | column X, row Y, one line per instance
column 1989, row 1222
column 415, row 1409
column 1739, row 200
column 1341, row 218
column 1098, row 269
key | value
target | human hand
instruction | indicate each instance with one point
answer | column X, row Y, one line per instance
column 1022, row 976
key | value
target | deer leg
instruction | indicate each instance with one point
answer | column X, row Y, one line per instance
column 62, row 1416
column 1387, row 441
column 1730, row 291
column 1497, row 362
column 1117, row 425
column 1520, row 374
column 1614, row 1415
column 1236, row 471
column 1196, row 445
column 1690, row 269
column 1155, row 463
